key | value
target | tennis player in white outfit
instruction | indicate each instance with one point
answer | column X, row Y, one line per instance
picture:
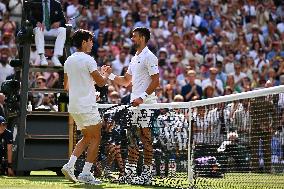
column 143, row 72
column 80, row 76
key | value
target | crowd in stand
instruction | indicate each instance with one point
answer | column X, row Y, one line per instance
column 205, row 48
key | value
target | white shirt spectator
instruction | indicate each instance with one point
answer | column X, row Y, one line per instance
column 72, row 12
column 280, row 27
column 259, row 63
column 217, row 83
column 141, row 67
column 213, row 118
column 191, row 20
column 82, row 89
column 250, row 10
column 5, row 71
column 229, row 67
column 3, row 9
column 202, row 126
column 117, row 66
column 239, row 77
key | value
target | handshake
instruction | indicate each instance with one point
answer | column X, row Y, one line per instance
column 106, row 70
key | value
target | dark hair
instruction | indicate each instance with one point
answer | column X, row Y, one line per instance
column 81, row 35
column 143, row 32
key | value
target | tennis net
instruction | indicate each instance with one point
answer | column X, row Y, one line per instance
column 233, row 141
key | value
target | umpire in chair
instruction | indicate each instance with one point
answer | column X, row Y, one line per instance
column 6, row 140
column 48, row 19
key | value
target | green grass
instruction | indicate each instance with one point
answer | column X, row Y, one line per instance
column 48, row 179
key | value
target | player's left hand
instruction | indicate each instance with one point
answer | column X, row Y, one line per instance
column 137, row 102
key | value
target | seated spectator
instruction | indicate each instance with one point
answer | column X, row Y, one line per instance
column 6, row 141
column 5, row 68
column 191, row 89
column 169, row 93
column 213, row 82
column 48, row 102
column 48, row 19
column 15, row 7
column 231, row 83
column 6, row 25
column 38, row 97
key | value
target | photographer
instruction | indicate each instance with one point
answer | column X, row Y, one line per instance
column 6, row 140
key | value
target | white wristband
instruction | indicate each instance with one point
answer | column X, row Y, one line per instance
column 111, row 76
column 144, row 95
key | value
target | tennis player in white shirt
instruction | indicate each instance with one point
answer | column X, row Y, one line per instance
column 80, row 76
column 143, row 72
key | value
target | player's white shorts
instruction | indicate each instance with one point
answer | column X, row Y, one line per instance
column 84, row 120
column 142, row 118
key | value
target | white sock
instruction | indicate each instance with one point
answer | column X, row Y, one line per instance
column 72, row 161
column 87, row 168
column 130, row 169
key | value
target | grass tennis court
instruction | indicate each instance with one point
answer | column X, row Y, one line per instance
column 47, row 179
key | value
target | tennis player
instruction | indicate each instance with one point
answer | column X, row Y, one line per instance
column 143, row 72
column 80, row 76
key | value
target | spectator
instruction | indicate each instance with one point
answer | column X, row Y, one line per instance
column 213, row 82
column 119, row 63
column 15, row 7
column 238, row 74
column 5, row 68
column 191, row 89
column 231, row 83
column 45, row 24
column 38, row 97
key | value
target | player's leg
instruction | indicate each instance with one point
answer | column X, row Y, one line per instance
column 68, row 168
column 146, row 138
column 110, row 157
column 94, row 133
column 119, row 160
column 133, row 151
column 130, row 170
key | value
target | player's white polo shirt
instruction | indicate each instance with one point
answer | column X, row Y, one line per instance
column 142, row 67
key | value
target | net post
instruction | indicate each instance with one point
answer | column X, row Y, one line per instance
column 190, row 169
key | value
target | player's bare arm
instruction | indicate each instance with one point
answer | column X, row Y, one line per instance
column 151, row 88
column 121, row 80
column 101, row 78
column 66, row 87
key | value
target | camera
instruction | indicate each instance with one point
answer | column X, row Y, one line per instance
column 10, row 88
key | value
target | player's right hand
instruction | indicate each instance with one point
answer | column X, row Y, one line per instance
column 40, row 25
column 106, row 70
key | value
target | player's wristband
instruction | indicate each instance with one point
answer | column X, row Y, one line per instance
column 111, row 76
column 144, row 95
